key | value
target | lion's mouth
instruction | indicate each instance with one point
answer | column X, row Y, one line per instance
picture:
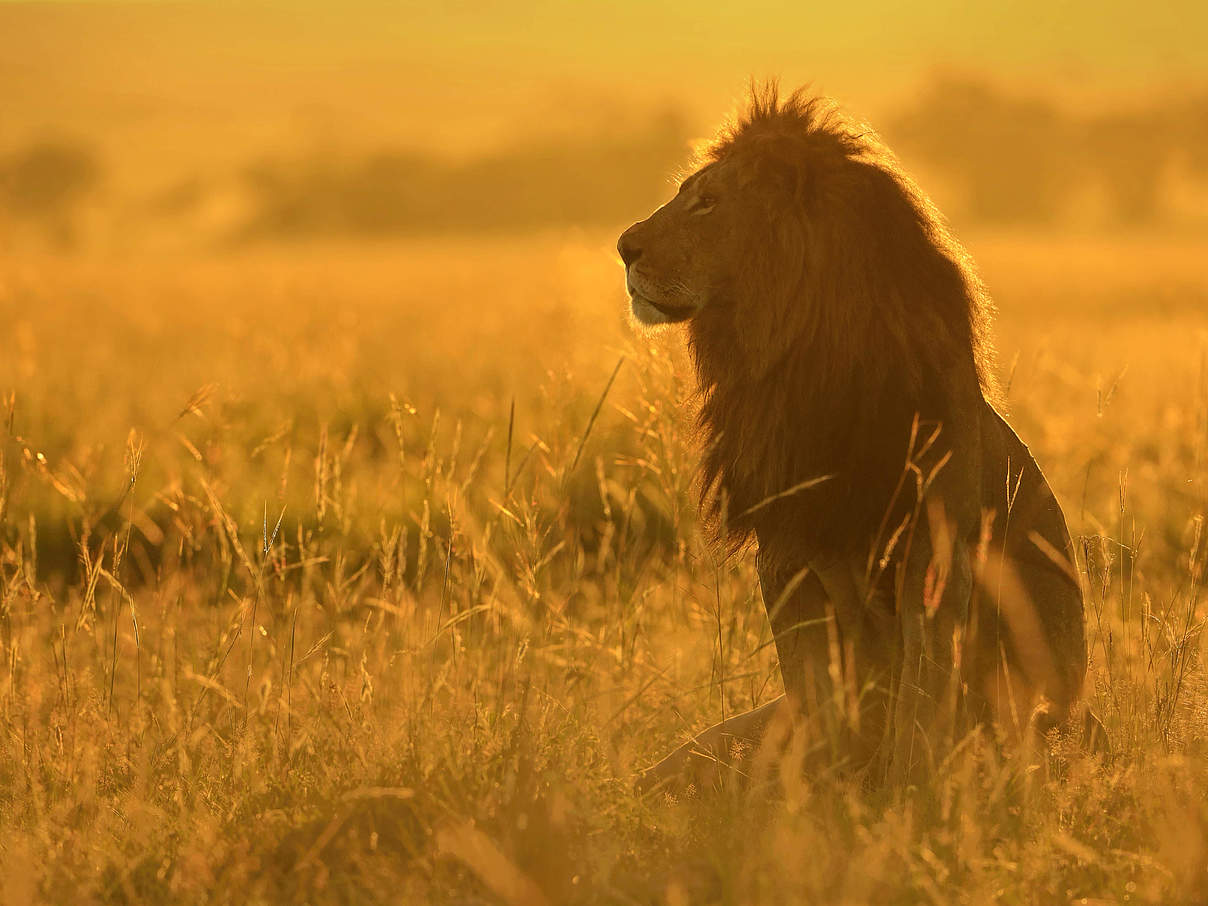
column 657, row 311
column 648, row 311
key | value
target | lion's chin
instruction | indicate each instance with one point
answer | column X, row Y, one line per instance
column 646, row 312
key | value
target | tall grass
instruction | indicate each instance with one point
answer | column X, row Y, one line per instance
column 355, row 577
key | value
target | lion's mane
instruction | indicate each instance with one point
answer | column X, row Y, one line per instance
column 852, row 311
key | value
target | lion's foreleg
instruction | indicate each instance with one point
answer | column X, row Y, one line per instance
column 802, row 616
column 933, row 605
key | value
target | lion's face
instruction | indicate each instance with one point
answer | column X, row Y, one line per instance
column 677, row 259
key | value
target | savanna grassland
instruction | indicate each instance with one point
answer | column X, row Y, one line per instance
column 373, row 574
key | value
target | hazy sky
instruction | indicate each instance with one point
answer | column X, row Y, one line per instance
column 1110, row 35
column 179, row 78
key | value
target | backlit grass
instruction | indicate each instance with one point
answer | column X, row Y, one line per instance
column 350, row 575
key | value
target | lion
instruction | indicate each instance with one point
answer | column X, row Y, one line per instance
column 915, row 565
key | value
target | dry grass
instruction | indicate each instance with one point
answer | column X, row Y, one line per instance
column 434, row 680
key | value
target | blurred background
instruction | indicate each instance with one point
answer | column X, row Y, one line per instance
column 313, row 339
column 226, row 123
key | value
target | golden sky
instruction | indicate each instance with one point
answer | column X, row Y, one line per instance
column 206, row 79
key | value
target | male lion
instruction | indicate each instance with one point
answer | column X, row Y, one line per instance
column 916, row 568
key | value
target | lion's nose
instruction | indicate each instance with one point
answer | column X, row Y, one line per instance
column 628, row 247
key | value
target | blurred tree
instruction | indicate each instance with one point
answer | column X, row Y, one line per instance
column 1023, row 159
column 46, row 183
column 1128, row 152
column 1012, row 159
column 1190, row 119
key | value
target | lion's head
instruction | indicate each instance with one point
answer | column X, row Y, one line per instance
column 826, row 307
column 680, row 259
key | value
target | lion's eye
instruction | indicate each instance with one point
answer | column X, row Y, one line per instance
column 703, row 204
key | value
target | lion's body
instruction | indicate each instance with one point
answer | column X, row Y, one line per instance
column 916, row 567
column 1019, row 553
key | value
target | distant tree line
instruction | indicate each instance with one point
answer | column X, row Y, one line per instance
column 1005, row 157
column 596, row 180
column 1002, row 157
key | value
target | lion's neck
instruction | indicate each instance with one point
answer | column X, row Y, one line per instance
column 793, row 448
